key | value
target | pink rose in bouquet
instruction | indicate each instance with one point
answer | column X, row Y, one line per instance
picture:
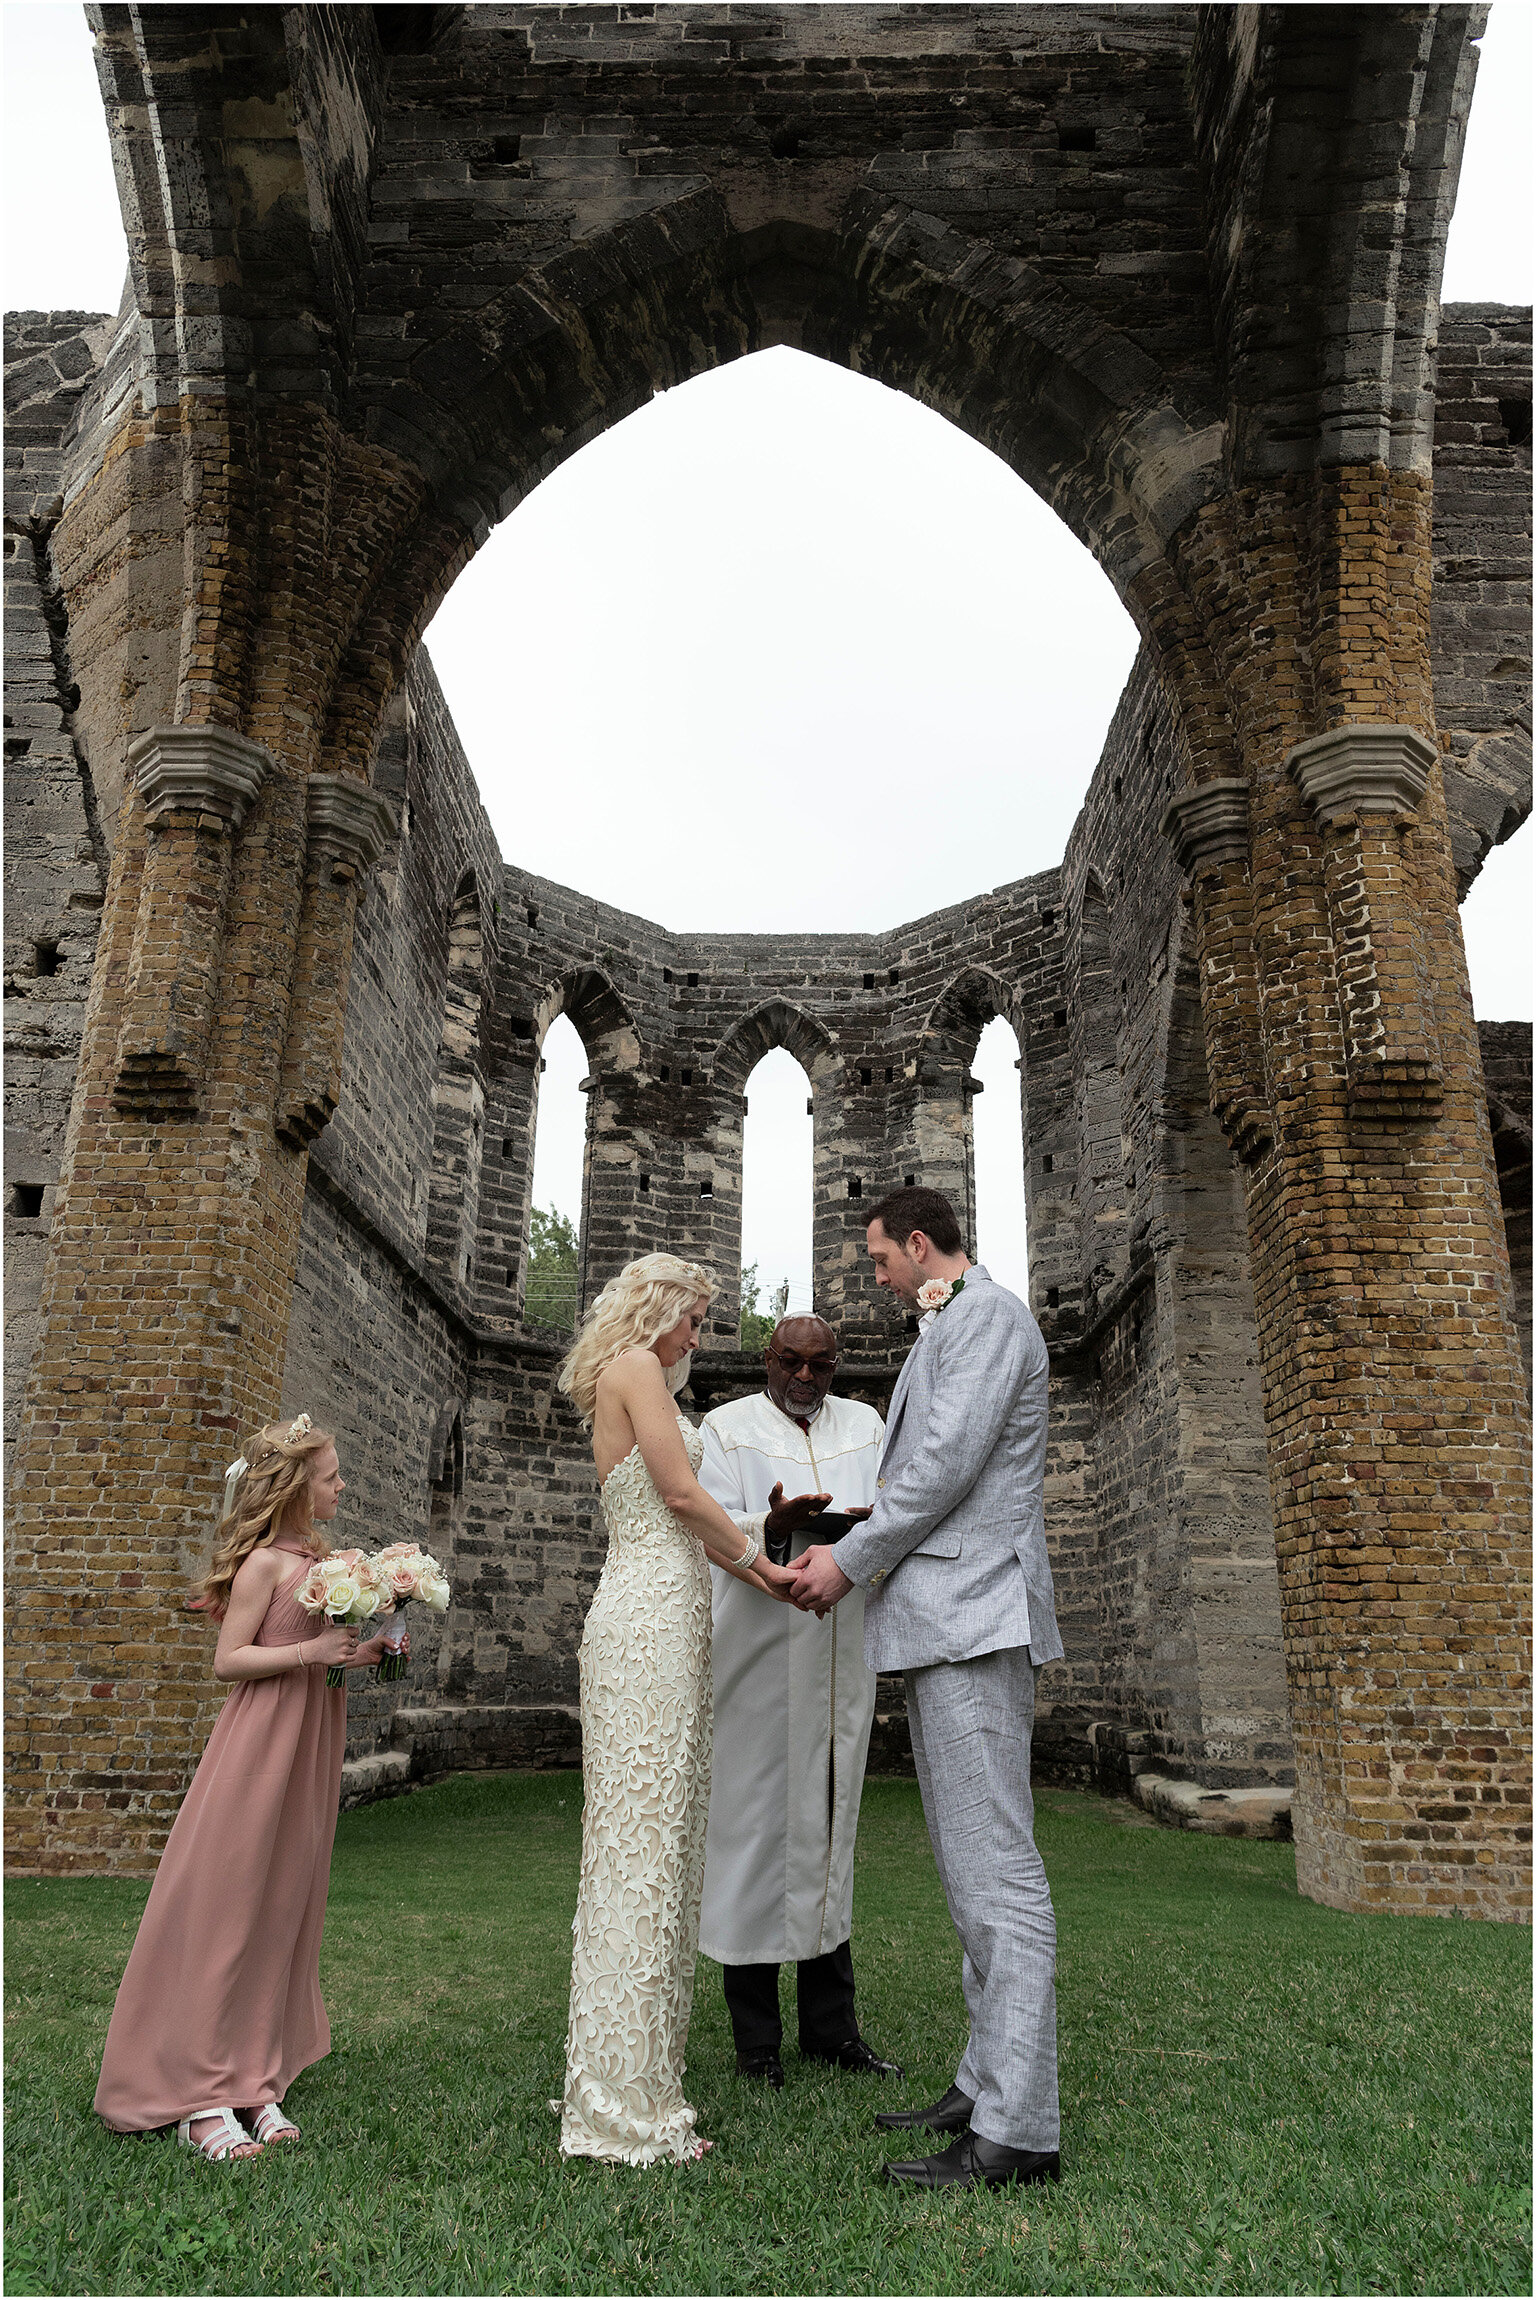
column 348, row 1587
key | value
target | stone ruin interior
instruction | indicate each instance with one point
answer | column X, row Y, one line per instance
column 398, row 1314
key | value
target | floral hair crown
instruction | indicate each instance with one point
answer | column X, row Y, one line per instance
column 299, row 1427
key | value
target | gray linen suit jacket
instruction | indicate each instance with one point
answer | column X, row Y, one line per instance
column 954, row 1556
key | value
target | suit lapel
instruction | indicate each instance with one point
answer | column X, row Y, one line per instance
column 899, row 1393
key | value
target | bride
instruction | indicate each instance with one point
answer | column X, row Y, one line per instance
column 645, row 1718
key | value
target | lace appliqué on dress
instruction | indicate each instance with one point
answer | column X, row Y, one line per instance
column 645, row 1726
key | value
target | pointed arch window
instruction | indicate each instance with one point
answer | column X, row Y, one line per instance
column 777, row 1195
column 997, row 1134
column 551, row 1295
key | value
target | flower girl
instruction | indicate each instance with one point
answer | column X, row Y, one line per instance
column 220, row 2005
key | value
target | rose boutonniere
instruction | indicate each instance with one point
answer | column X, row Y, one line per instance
column 935, row 1293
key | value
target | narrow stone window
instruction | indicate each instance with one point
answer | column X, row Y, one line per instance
column 45, row 957
column 1047, row 1164
column 777, row 1195
column 997, row 1153
column 855, row 1186
column 866, row 1075
column 552, row 1248
column 1515, row 415
column 706, row 1189
column 533, row 916
column 890, row 1074
column 511, row 1274
column 1119, row 788
column 506, row 1147
column 27, row 1200
column 645, row 1184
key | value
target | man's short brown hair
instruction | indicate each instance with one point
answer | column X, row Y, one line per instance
column 900, row 1212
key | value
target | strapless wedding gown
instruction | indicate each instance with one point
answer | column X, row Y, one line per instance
column 645, row 1727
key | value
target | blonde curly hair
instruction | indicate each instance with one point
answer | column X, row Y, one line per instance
column 270, row 1501
column 646, row 1300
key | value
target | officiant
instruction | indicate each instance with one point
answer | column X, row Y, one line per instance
column 794, row 1704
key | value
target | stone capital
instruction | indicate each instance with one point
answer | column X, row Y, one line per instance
column 1209, row 825
column 348, row 820
column 1363, row 769
column 198, row 770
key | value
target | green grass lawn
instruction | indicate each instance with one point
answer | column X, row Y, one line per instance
column 1258, row 2095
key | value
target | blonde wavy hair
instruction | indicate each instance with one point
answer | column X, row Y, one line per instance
column 646, row 1300
column 271, row 1502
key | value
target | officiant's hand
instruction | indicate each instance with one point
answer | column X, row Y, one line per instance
column 792, row 1516
column 819, row 1580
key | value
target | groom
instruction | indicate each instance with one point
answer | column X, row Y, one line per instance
column 959, row 1583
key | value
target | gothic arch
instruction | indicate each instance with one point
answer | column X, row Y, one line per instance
column 775, row 1024
column 502, row 396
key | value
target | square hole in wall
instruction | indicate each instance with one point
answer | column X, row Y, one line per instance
column 645, row 1182
column 869, row 982
column 1515, row 415
column 894, row 975
column 890, row 1073
column 533, row 916
column 1053, row 1297
column 706, row 1189
column 1076, row 139
column 1059, row 1018
column 855, row 1186
column 665, row 1073
column 1048, row 1164
column 666, row 974
column 687, row 1077
column 909, row 1181
column 45, row 958
column 27, row 1200
column 866, row 1075
column 693, row 982
column 506, row 1146
column 511, row 1274
column 1047, row 919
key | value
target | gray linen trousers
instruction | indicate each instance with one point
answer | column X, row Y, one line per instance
column 959, row 1581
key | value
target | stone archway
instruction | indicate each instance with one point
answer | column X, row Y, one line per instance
column 297, row 440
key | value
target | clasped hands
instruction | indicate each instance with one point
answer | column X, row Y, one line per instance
column 819, row 1580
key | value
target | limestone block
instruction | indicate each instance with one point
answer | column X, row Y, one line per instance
column 1215, row 1812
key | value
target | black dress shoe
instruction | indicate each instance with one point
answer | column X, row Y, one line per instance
column 761, row 2067
column 972, row 2162
column 951, row 2114
column 859, row 2060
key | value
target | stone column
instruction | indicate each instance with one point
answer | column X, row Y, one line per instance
column 1394, row 1398
column 350, row 826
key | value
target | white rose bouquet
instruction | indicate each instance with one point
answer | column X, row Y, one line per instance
column 409, row 1571
column 347, row 1587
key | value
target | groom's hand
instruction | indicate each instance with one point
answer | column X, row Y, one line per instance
column 790, row 1516
column 819, row 1581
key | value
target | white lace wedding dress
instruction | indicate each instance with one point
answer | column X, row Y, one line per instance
column 645, row 1727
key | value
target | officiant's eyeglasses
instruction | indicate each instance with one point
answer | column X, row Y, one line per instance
column 821, row 1364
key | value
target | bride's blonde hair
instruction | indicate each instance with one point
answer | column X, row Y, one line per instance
column 646, row 1300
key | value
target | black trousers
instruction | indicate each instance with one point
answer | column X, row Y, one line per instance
column 824, row 1988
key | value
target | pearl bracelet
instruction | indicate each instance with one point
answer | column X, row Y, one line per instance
column 750, row 1554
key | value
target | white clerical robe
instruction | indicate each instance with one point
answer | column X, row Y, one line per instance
column 794, row 1700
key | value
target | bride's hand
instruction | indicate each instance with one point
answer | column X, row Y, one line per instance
column 775, row 1581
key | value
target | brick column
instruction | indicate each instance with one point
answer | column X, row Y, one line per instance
column 1394, row 1395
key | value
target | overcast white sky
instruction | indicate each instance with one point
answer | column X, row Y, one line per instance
column 782, row 650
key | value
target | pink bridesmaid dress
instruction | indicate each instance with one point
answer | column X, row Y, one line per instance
column 220, row 2005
